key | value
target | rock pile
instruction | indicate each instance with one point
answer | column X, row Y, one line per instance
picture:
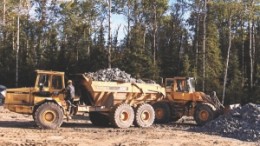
column 112, row 74
column 241, row 123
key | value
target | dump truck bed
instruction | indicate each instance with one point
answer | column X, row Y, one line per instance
column 114, row 92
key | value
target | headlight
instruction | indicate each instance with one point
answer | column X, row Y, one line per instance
column 3, row 93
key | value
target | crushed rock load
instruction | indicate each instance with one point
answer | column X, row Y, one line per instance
column 241, row 123
column 112, row 74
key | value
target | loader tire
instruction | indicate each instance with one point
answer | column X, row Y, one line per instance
column 203, row 114
column 162, row 112
column 122, row 116
column 48, row 116
column 99, row 119
column 144, row 115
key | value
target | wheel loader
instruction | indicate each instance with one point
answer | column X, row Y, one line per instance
column 182, row 99
column 113, row 103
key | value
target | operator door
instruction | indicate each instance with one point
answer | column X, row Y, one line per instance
column 57, row 85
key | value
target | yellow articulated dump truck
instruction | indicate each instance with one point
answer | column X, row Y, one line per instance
column 108, row 103
column 182, row 100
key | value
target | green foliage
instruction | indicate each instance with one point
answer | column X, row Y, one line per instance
column 138, row 56
column 214, row 66
column 235, row 82
column 141, row 67
column 172, row 45
column 186, row 66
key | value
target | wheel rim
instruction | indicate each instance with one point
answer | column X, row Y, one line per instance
column 124, row 116
column 204, row 115
column 145, row 116
column 49, row 116
column 159, row 113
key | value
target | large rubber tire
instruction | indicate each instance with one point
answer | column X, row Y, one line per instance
column 162, row 112
column 122, row 116
column 99, row 119
column 48, row 116
column 203, row 114
column 144, row 115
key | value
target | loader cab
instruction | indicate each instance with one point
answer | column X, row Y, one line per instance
column 179, row 87
column 180, row 84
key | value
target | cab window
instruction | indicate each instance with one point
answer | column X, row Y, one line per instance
column 43, row 80
column 182, row 86
column 169, row 83
column 56, row 82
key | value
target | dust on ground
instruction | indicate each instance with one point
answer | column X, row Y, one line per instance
column 20, row 130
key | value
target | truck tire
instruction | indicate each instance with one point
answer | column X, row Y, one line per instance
column 99, row 119
column 203, row 114
column 48, row 116
column 162, row 112
column 122, row 116
column 144, row 115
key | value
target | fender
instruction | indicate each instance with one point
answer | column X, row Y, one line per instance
column 47, row 99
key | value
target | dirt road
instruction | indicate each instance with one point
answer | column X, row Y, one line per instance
column 17, row 129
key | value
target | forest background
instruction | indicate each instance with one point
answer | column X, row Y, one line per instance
column 216, row 41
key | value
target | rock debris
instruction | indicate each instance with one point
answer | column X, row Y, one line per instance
column 113, row 74
column 242, row 123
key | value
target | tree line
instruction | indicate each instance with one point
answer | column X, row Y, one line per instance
column 215, row 41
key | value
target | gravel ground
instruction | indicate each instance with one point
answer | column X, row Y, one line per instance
column 20, row 130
